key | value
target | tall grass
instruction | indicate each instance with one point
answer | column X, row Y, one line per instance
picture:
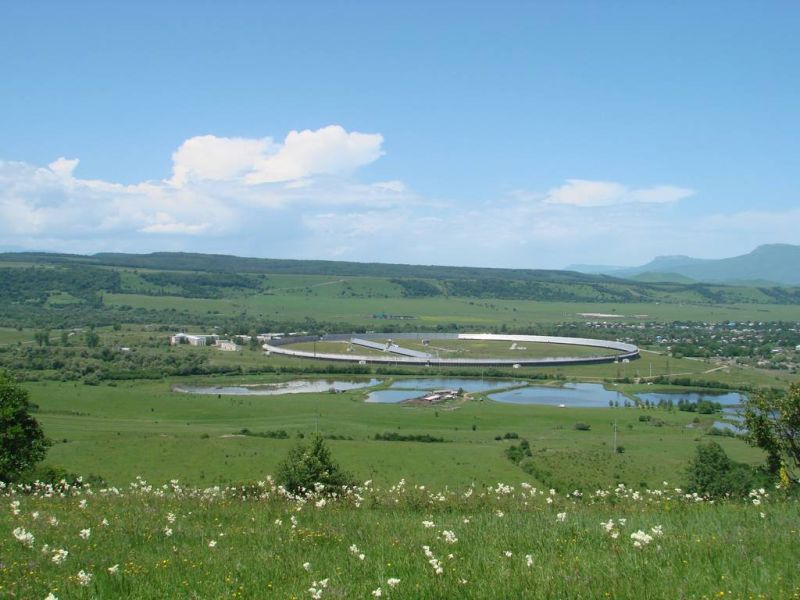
column 256, row 541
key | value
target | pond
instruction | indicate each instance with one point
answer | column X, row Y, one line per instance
column 408, row 389
column 726, row 399
column 452, row 383
column 573, row 395
column 297, row 386
column 393, row 396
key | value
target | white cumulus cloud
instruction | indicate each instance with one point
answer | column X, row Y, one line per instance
column 583, row 192
column 327, row 151
column 216, row 158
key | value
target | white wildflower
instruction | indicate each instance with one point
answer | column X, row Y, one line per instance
column 307, row 566
column 113, row 570
column 392, row 582
column 377, row 593
column 561, row 517
column 449, row 536
column 212, row 543
column 428, row 524
column 84, row 578
column 85, row 533
column 641, row 539
column 59, row 556
column 529, row 560
column 23, row 537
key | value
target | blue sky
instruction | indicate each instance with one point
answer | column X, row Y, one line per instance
column 533, row 134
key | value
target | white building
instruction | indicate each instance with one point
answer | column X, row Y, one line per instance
column 228, row 346
column 192, row 340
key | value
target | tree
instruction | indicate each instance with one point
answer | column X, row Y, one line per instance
column 92, row 339
column 711, row 472
column 306, row 466
column 22, row 442
column 772, row 420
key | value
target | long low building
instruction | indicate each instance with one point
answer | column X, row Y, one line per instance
column 625, row 351
column 389, row 347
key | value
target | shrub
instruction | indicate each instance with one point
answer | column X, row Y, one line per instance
column 711, row 472
column 391, row 436
column 22, row 442
column 518, row 453
column 582, row 426
column 306, row 466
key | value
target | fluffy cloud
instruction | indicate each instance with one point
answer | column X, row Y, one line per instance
column 330, row 150
column 207, row 157
column 582, row 192
column 327, row 151
column 220, row 187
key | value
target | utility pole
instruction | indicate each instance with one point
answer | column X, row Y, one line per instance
column 615, row 436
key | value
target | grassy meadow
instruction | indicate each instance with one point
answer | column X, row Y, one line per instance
column 429, row 312
column 144, row 429
column 143, row 541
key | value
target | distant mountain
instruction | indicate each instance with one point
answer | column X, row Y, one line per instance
column 593, row 269
column 777, row 263
column 655, row 277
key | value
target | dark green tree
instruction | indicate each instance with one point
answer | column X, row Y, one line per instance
column 92, row 339
column 42, row 338
column 22, row 442
column 305, row 466
column 772, row 420
column 711, row 472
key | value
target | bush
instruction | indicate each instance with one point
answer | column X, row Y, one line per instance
column 278, row 434
column 306, row 466
column 517, row 454
column 391, row 436
column 22, row 442
column 582, row 426
column 711, row 472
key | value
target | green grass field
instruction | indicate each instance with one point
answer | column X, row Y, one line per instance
column 143, row 428
column 459, row 348
column 428, row 312
column 405, row 542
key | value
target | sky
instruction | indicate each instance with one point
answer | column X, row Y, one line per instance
column 506, row 134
